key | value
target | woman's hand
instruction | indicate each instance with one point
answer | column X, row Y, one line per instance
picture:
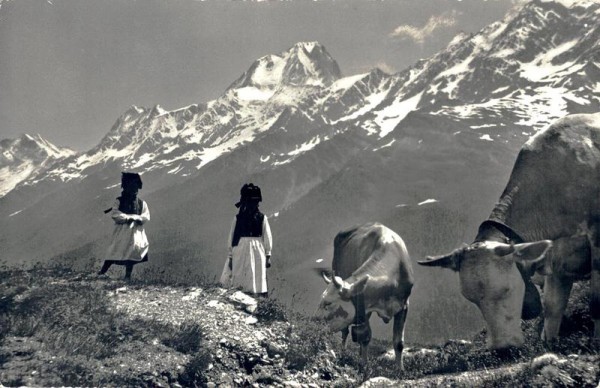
column 268, row 261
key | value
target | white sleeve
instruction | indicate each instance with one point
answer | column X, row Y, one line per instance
column 145, row 216
column 230, row 239
column 267, row 237
column 118, row 216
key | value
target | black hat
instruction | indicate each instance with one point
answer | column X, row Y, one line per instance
column 131, row 177
column 249, row 192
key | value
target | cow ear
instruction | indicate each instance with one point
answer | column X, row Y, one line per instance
column 534, row 252
column 450, row 261
column 358, row 287
column 348, row 290
column 504, row 249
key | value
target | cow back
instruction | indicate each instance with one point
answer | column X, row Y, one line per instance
column 370, row 248
column 555, row 183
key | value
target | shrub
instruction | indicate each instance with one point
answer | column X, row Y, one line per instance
column 269, row 310
column 307, row 338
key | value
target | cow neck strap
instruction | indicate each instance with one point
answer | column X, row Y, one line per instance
column 360, row 315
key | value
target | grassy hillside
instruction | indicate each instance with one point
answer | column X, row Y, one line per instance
column 65, row 328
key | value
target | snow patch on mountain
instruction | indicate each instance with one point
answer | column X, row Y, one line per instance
column 371, row 102
column 11, row 177
column 346, row 82
column 572, row 3
column 253, row 93
column 388, row 118
column 541, row 67
column 386, row 145
column 300, row 149
column 25, row 157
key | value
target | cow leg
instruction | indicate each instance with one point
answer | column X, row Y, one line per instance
column 556, row 295
column 399, row 321
column 362, row 334
column 364, row 345
column 345, row 333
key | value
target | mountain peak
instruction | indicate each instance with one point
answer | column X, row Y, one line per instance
column 308, row 46
column 24, row 156
column 33, row 147
column 309, row 63
column 305, row 63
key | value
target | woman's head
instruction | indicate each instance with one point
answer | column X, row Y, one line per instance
column 250, row 195
column 131, row 182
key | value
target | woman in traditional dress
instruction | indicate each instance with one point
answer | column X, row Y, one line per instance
column 129, row 244
column 250, row 244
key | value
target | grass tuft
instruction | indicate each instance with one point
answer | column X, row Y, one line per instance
column 307, row 338
column 187, row 338
column 269, row 310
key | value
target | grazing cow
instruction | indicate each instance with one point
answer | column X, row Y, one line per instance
column 551, row 200
column 371, row 273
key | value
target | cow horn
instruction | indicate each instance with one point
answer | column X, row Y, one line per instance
column 338, row 281
column 504, row 250
column 325, row 277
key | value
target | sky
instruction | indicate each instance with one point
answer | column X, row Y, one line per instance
column 70, row 68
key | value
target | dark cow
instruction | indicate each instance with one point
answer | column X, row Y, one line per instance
column 371, row 273
column 551, row 199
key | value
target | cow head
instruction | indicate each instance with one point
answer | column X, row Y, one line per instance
column 490, row 279
column 336, row 303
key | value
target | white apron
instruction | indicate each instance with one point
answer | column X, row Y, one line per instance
column 128, row 240
column 248, row 261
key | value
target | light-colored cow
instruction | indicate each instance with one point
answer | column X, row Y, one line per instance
column 551, row 200
column 372, row 273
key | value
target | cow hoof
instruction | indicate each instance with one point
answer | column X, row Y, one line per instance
column 551, row 344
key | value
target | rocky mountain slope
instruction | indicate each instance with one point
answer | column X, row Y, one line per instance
column 144, row 334
column 426, row 151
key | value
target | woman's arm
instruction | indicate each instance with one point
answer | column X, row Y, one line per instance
column 267, row 237
column 145, row 216
column 230, row 239
column 118, row 216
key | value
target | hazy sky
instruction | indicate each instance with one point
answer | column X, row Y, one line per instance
column 70, row 68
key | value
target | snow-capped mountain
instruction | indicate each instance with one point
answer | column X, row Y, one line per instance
column 24, row 157
column 539, row 63
column 182, row 141
column 503, row 83
column 305, row 64
column 426, row 150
